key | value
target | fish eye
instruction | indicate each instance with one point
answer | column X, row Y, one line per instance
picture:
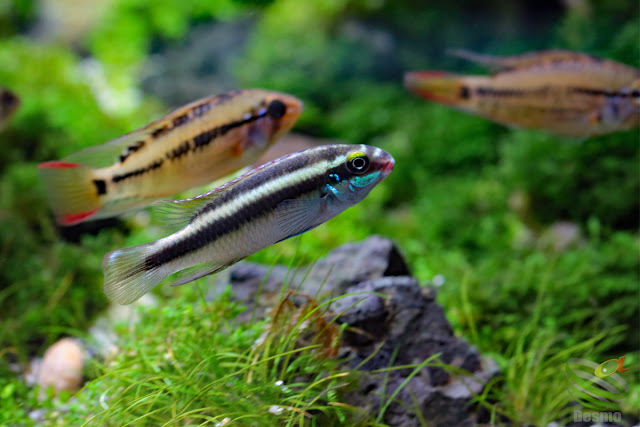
column 358, row 163
column 276, row 109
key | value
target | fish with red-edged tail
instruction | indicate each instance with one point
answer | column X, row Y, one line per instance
column 562, row 92
column 191, row 146
column 273, row 202
column 9, row 103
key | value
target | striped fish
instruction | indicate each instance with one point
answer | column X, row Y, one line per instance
column 191, row 146
column 273, row 202
column 562, row 92
column 9, row 103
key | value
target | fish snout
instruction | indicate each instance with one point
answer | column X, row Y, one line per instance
column 293, row 110
column 387, row 168
column 384, row 161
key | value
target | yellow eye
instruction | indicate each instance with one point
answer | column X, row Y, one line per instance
column 357, row 162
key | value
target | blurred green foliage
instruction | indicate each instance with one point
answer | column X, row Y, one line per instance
column 256, row 375
column 447, row 203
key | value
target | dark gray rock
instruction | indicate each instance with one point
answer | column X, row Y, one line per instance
column 393, row 321
column 345, row 266
column 407, row 321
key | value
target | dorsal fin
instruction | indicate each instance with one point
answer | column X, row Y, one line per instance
column 176, row 214
column 114, row 151
column 117, row 150
column 517, row 62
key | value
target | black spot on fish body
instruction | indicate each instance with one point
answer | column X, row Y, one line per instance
column 101, row 186
column 156, row 133
column 131, row 149
column 199, row 110
column 180, row 120
column 464, row 92
column 179, row 151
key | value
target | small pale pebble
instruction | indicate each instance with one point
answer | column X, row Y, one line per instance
column 276, row 410
column 224, row 422
column 438, row 280
column 61, row 367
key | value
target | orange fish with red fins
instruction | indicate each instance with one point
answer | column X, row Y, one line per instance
column 563, row 92
column 189, row 147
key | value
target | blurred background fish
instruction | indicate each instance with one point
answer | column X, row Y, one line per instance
column 9, row 103
column 281, row 199
column 191, row 146
column 562, row 92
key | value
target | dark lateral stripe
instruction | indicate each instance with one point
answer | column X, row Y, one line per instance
column 603, row 92
column 264, row 178
column 179, row 151
column 207, row 136
column 229, row 224
column 489, row 91
column 155, row 165
column 224, row 225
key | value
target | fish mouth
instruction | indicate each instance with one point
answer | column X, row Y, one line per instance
column 388, row 166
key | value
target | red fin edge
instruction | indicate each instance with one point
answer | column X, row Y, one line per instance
column 56, row 164
column 412, row 79
column 71, row 219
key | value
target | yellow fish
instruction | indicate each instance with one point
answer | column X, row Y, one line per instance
column 189, row 147
column 562, row 92
column 9, row 103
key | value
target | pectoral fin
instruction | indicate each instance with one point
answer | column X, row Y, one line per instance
column 295, row 216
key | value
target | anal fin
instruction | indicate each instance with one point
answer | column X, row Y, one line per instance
column 202, row 270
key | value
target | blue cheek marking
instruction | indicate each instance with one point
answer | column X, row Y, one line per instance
column 331, row 189
column 363, row 181
column 335, row 177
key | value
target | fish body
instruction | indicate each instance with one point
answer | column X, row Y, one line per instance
column 191, row 146
column 566, row 93
column 9, row 103
column 273, row 202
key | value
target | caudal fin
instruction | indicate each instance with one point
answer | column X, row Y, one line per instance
column 437, row 86
column 72, row 192
column 128, row 275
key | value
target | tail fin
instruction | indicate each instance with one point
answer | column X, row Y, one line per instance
column 127, row 276
column 72, row 193
column 437, row 86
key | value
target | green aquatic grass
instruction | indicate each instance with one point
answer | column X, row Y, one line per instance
column 189, row 362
